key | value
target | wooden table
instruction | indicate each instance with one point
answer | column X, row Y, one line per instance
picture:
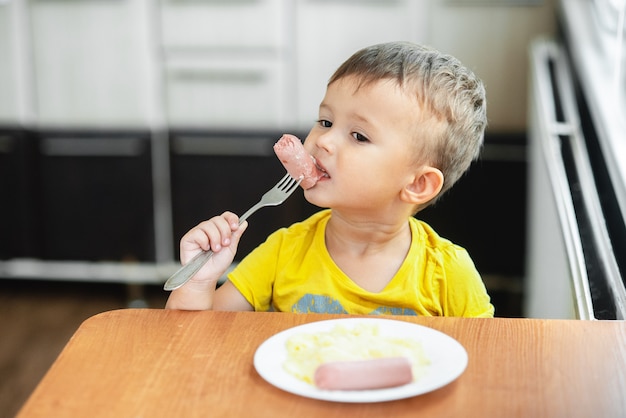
column 158, row 363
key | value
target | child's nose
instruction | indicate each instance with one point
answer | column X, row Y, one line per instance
column 325, row 141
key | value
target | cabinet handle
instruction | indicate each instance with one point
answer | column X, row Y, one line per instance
column 359, row 2
column 225, row 146
column 212, row 2
column 219, row 76
column 92, row 147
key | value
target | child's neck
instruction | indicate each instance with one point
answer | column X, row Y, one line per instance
column 369, row 253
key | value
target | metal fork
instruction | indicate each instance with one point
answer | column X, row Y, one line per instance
column 273, row 197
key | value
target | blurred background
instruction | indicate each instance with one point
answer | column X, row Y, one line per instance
column 123, row 123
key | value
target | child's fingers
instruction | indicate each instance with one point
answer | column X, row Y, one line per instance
column 214, row 233
column 232, row 219
column 195, row 238
column 224, row 226
column 191, row 243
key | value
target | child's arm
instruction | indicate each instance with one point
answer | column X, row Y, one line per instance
column 221, row 234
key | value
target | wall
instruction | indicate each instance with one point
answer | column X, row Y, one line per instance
column 494, row 42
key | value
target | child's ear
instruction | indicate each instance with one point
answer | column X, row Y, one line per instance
column 425, row 186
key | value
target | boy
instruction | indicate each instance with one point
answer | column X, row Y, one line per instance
column 399, row 124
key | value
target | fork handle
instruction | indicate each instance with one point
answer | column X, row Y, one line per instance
column 187, row 271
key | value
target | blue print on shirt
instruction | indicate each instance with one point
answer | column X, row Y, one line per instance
column 318, row 304
column 387, row 310
column 325, row 304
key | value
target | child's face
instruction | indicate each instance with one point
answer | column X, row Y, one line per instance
column 363, row 140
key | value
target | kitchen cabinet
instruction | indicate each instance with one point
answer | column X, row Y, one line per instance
column 236, row 64
column 19, row 219
column 89, row 62
column 235, row 93
column 8, row 76
column 210, row 64
column 226, row 64
column 16, row 84
column 189, row 25
column 95, row 196
column 267, row 68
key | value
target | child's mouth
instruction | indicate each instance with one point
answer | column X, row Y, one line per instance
column 322, row 171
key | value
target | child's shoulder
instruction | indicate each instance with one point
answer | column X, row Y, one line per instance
column 452, row 258
column 308, row 225
column 426, row 235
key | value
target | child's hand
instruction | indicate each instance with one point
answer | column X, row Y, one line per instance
column 220, row 234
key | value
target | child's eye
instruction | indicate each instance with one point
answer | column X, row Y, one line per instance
column 325, row 123
column 359, row 137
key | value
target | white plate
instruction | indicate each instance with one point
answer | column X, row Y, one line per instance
column 448, row 360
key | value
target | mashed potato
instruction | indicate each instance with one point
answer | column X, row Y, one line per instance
column 305, row 352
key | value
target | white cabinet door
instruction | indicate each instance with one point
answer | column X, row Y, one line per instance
column 9, row 81
column 225, row 63
column 90, row 61
column 220, row 25
column 225, row 94
column 328, row 32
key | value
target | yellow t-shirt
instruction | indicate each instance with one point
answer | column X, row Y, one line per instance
column 293, row 272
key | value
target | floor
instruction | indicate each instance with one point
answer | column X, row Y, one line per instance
column 36, row 321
